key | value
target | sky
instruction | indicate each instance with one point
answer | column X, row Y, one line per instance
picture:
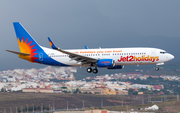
column 72, row 24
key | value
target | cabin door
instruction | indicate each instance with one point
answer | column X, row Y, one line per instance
column 41, row 57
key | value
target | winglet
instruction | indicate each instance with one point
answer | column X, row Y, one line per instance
column 52, row 44
column 86, row 47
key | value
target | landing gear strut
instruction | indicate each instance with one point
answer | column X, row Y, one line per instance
column 156, row 68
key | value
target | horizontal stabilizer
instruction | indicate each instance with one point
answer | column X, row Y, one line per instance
column 19, row 53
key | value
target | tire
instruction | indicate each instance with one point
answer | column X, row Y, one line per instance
column 89, row 70
column 157, row 68
column 95, row 71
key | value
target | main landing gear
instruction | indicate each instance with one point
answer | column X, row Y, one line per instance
column 89, row 70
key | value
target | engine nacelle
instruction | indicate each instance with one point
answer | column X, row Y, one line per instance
column 105, row 63
column 116, row 67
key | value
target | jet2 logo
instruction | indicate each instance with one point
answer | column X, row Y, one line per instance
column 134, row 58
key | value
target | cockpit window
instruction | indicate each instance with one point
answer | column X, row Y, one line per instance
column 163, row 52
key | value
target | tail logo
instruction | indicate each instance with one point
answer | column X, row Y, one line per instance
column 51, row 44
column 26, row 47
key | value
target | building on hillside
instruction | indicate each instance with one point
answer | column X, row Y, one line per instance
column 115, row 92
column 140, row 93
column 158, row 87
column 100, row 91
column 29, row 90
column 87, row 111
column 45, row 90
column 57, row 91
column 96, row 111
column 104, row 91
column 38, row 90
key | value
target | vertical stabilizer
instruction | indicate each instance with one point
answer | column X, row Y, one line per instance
column 26, row 43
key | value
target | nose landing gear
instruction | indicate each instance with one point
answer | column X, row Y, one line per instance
column 157, row 68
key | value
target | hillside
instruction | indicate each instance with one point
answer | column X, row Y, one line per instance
column 19, row 100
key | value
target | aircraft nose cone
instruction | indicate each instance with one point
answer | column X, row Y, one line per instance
column 171, row 57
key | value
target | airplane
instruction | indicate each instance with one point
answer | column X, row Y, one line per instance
column 110, row 58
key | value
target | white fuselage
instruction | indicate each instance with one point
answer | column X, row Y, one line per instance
column 121, row 56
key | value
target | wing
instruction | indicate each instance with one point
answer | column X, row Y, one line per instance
column 79, row 58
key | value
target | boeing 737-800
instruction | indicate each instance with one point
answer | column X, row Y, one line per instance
column 110, row 58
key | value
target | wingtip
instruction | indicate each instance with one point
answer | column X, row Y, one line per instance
column 86, row 47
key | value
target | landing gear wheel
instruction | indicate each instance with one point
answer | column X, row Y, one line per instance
column 156, row 68
column 95, row 71
column 89, row 70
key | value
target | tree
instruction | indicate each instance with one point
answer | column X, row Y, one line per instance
column 132, row 92
column 3, row 90
column 142, row 89
column 77, row 91
column 85, row 93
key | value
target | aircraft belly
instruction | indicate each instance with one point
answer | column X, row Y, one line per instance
column 67, row 61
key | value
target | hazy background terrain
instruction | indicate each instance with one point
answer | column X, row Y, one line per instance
column 102, row 23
